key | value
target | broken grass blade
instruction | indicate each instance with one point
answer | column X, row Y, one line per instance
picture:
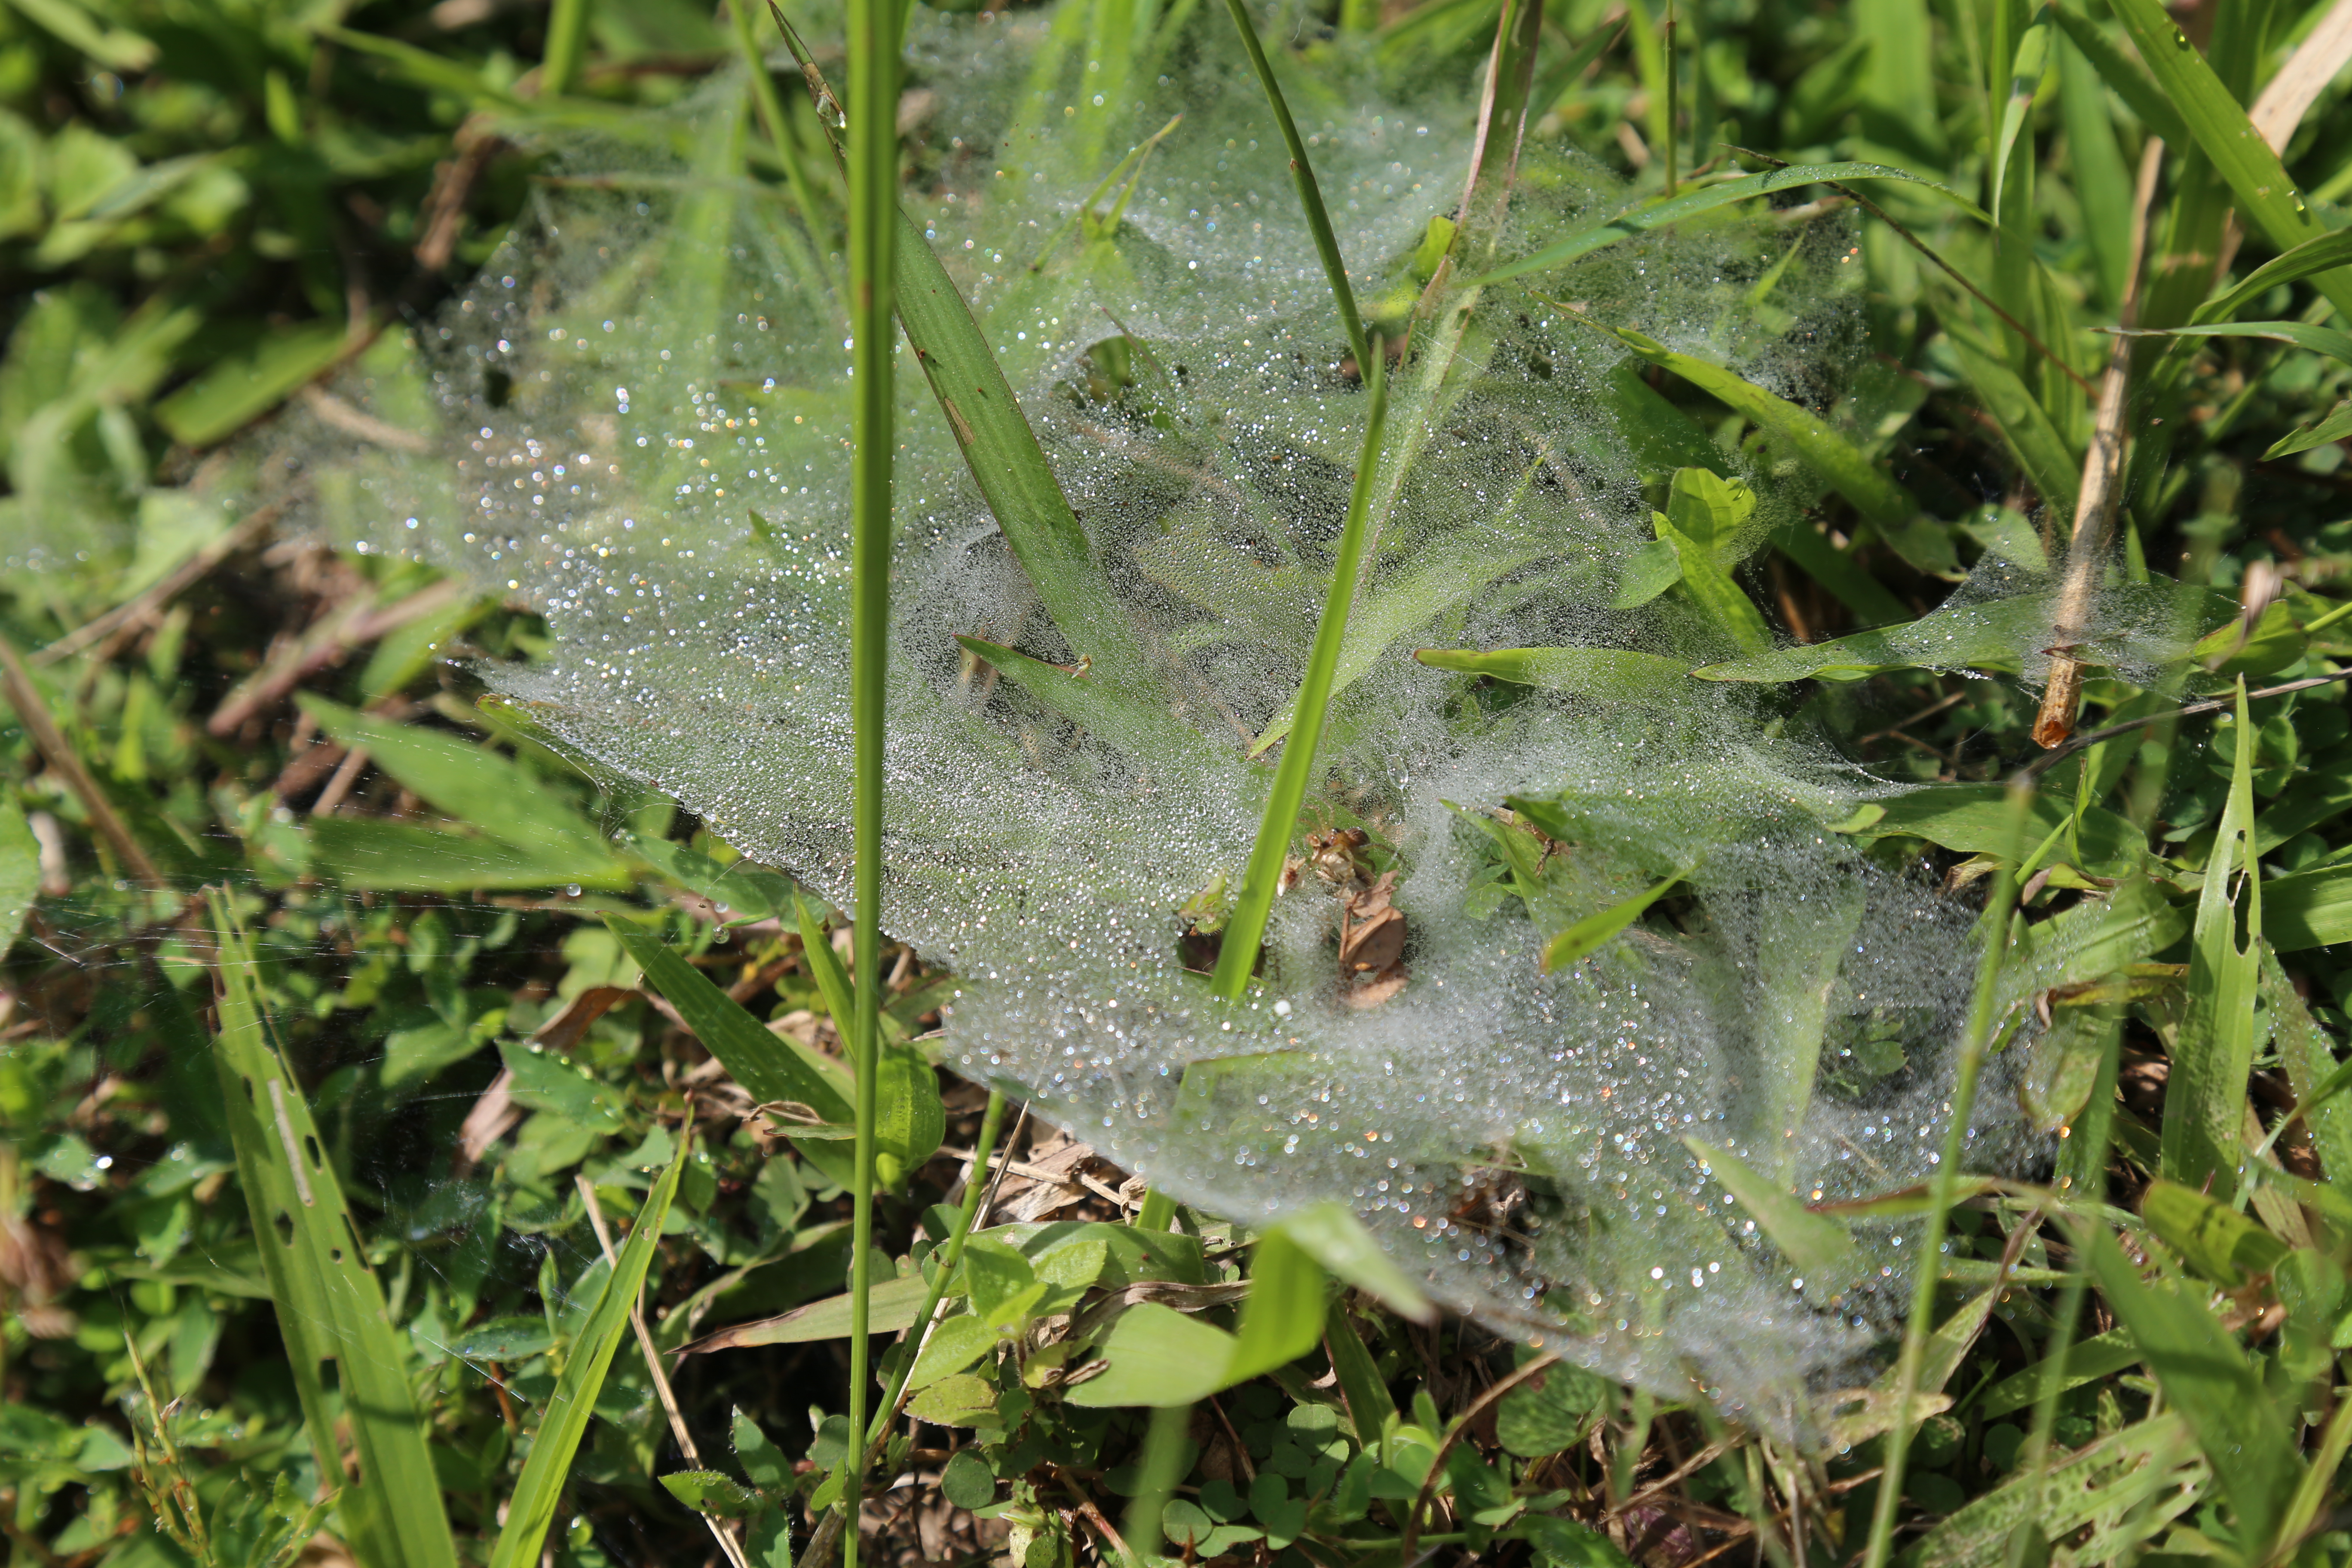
column 1587, row 934
column 329, row 1305
column 2215, row 120
column 1641, row 220
column 531, row 1509
column 1310, row 194
column 1238, row 955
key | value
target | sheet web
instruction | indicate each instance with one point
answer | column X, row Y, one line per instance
column 641, row 418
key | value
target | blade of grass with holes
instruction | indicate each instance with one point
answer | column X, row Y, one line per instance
column 564, row 1421
column 2205, row 1098
column 330, row 1307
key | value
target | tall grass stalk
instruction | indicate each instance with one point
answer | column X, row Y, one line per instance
column 873, row 28
column 1238, row 956
column 2000, row 906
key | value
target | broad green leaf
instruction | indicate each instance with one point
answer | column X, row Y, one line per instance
column 1845, row 467
column 910, row 1119
column 1990, row 634
column 565, row 1419
column 497, row 797
column 1706, row 584
column 2308, row 909
column 2266, row 195
column 962, row 1400
column 20, row 872
column 1334, row 1238
column 893, row 1305
column 762, row 1461
column 1640, row 219
column 1159, row 1357
column 401, row 857
column 1588, row 934
column 1616, row 675
column 330, row 1307
column 546, row 1080
column 1283, row 1318
column 2309, row 1056
column 2215, row 1240
column 1709, row 510
column 1567, row 1544
column 509, row 1340
column 1813, row 1242
column 1552, row 1410
column 2205, row 1098
column 712, row 1492
column 1974, row 820
column 1649, row 572
column 236, row 391
column 2208, row 1379
column 953, row 1345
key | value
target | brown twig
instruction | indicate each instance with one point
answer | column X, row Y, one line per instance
column 59, row 753
column 2094, row 503
column 126, row 620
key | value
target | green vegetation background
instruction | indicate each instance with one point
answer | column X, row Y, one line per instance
column 206, row 206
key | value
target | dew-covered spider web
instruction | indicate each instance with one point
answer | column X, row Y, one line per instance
column 638, row 422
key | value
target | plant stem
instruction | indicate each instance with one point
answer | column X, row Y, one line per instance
column 1310, row 194
column 975, row 1190
column 873, row 159
column 1998, row 908
column 1673, row 100
column 773, row 115
column 1163, row 1454
column 1246, row 929
column 567, row 26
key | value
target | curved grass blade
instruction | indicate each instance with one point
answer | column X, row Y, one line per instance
column 2219, row 127
column 330, row 1308
column 2313, row 256
column 1641, row 220
column 2320, row 432
column 1590, row 934
column 531, row 1509
column 2329, row 340
column 1243, row 931
column 1310, row 194
column 1144, row 730
column 1611, row 674
column 2141, row 96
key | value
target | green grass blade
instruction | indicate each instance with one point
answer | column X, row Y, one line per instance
column 2140, row 95
column 539, row 1489
column 2266, row 196
column 2209, row 1380
column 998, row 446
column 766, row 1067
column 567, row 43
column 2049, row 460
column 2327, row 341
column 2313, row 256
column 330, row 1307
column 2205, row 1099
column 1994, row 931
column 1636, row 220
column 1145, row 730
column 1616, row 675
column 1813, row 1242
column 1243, row 931
column 2028, row 63
column 774, row 117
column 2102, row 181
column 1836, row 571
column 2320, row 1082
column 1283, row 1318
column 1310, row 194
column 1588, row 934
